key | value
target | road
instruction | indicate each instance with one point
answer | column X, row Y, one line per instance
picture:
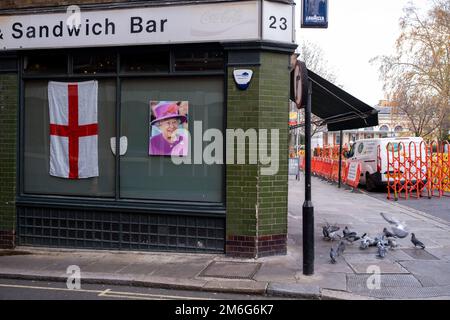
column 437, row 207
column 12, row 289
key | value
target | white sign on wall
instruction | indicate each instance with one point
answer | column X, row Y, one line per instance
column 278, row 24
column 234, row 21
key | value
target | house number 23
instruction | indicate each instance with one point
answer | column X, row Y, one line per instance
column 282, row 24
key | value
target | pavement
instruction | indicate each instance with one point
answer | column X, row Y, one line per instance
column 405, row 273
column 435, row 206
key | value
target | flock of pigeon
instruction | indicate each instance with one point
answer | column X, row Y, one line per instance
column 385, row 241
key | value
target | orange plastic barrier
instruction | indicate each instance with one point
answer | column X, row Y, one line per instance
column 414, row 168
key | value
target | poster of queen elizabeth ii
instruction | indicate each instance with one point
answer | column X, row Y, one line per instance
column 169, row 128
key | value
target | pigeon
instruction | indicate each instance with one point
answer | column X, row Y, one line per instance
column 392, row 244
column 381, row 250
column 364, row 243
column 345, row 231
column 325, row 232
column 416, row 241
column 388, row 234
column 398, row 228
column 330, row 232
column 333, row 255
column 341, row 248
column 352, row 237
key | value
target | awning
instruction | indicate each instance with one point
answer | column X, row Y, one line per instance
column 338, row 109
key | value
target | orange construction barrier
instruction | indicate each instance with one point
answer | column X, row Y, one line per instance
column 418, row 167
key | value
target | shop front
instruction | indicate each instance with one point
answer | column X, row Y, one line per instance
column 92, row 112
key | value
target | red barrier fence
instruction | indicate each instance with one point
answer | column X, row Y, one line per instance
column 415, row 169
column 412, row 170
column 327, row 168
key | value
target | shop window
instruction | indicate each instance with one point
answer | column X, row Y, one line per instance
column 45, row 64
column 198, row 60
column 8, row 64
column 155, row 177
column 145, row 62
column 94, row 63
column 37, row 179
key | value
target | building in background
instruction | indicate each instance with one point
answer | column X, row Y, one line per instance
column 391, row 124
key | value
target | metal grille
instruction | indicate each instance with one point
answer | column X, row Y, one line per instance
column 123, row 231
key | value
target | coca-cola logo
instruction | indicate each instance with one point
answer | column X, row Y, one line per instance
column 222, row 17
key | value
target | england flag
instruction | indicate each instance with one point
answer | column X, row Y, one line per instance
column 73, row 129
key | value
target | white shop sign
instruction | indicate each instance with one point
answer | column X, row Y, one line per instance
column 235, row 21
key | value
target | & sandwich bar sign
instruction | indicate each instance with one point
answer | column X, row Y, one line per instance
column 235, row 21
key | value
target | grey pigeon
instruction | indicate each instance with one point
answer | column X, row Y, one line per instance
column 333, row 255
column 341, row 248
column 352, row 237
column 398, row 228
column 345, row 231
column 388, row 234
column 416, row 241
column 381, row 250
column 364, row 243
column 367, row 241
column 325, row 232
column 392, row 244
column 329, row 232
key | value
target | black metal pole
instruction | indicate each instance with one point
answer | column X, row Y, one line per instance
column 340, row 158
column 308, row 209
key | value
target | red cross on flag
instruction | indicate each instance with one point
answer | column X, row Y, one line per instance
column 73, row 129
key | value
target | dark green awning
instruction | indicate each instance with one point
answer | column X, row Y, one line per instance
column 338, row 109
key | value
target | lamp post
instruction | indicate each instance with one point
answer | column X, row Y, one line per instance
column 308, row 208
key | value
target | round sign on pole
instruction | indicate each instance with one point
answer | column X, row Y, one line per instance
column 299, row 83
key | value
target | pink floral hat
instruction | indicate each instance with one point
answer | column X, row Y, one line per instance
column 167, row 110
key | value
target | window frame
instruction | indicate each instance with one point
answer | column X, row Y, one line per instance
column 122, row 204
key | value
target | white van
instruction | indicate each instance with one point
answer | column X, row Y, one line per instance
column 372, row 156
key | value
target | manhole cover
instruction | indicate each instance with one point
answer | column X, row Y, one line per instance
column 419, row 254
column 232, row 270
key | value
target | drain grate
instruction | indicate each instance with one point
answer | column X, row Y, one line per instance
column 419, row 254
column 231, row 270
column 359, row 281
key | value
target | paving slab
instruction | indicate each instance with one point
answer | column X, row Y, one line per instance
column 333, row 281
column 231, row 269
column 276, row 272
column 437, row 272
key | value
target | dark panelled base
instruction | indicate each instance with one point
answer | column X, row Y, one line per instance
column 248, row 247
column 119, row 231
column 7, row 238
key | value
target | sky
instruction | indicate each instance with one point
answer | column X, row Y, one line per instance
column 358, row 30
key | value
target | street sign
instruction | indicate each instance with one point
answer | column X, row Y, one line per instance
column 299, row 84
column 293, row 166
column 314, row 14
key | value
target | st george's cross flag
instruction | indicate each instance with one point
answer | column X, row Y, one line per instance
column 73, row 129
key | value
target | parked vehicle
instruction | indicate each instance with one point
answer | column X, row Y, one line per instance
column 372, row 155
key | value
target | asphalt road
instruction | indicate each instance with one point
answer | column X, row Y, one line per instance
column 437, row 207
column 12, row 289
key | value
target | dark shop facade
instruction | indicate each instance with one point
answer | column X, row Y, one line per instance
column 95, row 94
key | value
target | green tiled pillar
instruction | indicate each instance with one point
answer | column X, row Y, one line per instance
column 8, row 132
column 257, row 203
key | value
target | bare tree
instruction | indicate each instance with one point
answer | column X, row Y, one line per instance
column 418, row 75
column 314, row 58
